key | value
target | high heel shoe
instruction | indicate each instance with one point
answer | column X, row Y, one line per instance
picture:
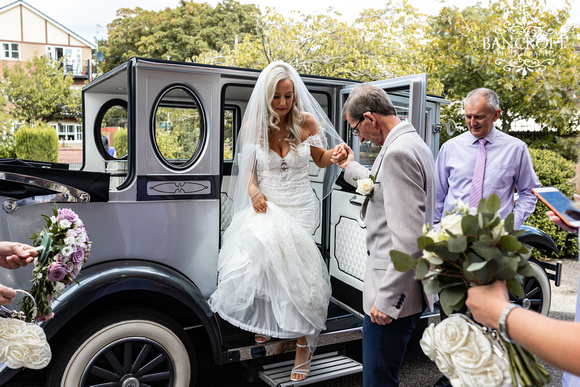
column 301, row 371
column 261, row 339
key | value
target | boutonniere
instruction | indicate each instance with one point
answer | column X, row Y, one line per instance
column 366, row 186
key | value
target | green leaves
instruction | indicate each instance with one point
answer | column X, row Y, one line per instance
column 485, row 252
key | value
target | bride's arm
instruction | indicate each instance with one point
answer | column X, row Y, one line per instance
column 321, row 157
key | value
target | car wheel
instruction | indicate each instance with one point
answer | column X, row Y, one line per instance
column 127, row 348
column 538, row 294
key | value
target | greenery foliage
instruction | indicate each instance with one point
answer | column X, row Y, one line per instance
column 465, row 55
column 40, row 93
column 7, row 145
column 177, row 34
column 553, row 170
column 120, row 141
column 37, row 143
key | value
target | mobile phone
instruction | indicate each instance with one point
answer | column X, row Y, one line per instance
column 562, row 206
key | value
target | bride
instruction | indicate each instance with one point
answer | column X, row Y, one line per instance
column 272, row 278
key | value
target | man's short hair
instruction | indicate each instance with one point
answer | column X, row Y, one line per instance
column 368, row 98
column 489, row 95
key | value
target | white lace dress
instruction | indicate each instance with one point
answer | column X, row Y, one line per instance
column 272, row 278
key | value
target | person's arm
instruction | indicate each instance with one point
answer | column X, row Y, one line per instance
column 14, row 255
column 442, row 185
column 554, row 341
column 321, row 157
column 526, row 180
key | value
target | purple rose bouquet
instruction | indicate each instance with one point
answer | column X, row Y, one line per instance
column 66, row 248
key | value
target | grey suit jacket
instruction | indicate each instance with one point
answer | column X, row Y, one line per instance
column 403, row 200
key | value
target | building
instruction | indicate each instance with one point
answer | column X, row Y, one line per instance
column 25, row 32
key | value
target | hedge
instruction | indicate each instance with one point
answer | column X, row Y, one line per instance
column 553, row 170
column 37, row 143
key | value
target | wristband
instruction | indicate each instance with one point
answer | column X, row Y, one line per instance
column 502, row 322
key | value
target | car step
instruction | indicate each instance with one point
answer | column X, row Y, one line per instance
column 323, row 367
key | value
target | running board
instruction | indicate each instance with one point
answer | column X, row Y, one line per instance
column 323, row 367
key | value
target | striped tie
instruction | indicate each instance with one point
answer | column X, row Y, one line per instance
column 478, row 174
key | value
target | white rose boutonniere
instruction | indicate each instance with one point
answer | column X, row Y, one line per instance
column 366, row 186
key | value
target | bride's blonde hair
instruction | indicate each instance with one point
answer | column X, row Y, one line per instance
column 294, row 118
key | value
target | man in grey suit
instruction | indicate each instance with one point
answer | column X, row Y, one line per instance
column 402, row 200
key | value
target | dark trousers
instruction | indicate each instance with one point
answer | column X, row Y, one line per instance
column 384, row 348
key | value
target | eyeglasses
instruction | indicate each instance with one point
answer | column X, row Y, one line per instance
column 355, row 130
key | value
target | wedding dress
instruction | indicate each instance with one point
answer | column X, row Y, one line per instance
column 272, row 278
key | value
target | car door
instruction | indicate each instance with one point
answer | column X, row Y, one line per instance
column 348, row 252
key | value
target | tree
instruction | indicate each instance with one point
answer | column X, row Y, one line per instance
column 521, row 51
column 177, row 34
column 382, row 43
column 38, row 92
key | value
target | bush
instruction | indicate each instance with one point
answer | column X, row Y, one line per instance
column 7, row 145
column 37, row 143
column 553, row 170
column 120, row 142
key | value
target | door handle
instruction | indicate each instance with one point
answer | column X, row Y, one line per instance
column 354, row 202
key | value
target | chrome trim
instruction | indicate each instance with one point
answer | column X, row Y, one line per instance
column 66, row 192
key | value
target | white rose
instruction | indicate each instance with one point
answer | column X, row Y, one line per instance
column 38, row 357
column 428, row 342
column 78, row 222
column 493, row 374
column 53, row 219
column 475, row 352
column 438, row 235
column 65, row 223
column 67, row 250
column 451, row 333
column 69, row 240
column 12, row 329
column 15, row 355
column 32, row 334
column 452, row 222
column 444, row 363
column 364, row 186
column 59, row 287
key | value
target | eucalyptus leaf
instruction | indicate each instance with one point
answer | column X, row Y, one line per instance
column 510, row 243
column 485, row 251
column 457, row 244
column 493, row 204
column 477, row 266
column 432, row 287
column 402, row 261
column 503, row 268
column 508, row 223
column 422, row 269
column 486, row 239
column 469, row 225
column 526, row 270
column 424, row 241
column 515, row 287
column 451, row 297
column 434, row 260
column 442, row 250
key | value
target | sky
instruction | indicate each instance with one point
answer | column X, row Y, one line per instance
column 91, row 22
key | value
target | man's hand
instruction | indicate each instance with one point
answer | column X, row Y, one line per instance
column 379, row 317
column 339, row 158
column 6, row 295
column 14, row 255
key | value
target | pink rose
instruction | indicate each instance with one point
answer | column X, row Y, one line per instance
column 56, row 272
column 78, row 255
column 68, row 214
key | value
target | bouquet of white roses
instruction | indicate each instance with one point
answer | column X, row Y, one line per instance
column 473, row 250
column 66, row 248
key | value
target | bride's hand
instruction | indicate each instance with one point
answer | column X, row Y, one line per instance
column 260, row 204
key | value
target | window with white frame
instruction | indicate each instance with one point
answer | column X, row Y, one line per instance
column 69, row 132
column 11, row 51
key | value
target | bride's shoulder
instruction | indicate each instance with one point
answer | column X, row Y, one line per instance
column 309, row 126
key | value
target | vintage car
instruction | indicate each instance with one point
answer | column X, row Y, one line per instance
column 155, row 210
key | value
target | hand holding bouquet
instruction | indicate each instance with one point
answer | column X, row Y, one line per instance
column 471, row 250
column 66, row 248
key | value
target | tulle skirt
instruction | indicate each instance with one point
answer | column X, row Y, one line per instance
column 272, row 278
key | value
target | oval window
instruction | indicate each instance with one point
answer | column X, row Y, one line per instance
column 111, row 124
column 178, row 126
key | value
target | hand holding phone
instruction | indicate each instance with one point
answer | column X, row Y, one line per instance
column 560, row 204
